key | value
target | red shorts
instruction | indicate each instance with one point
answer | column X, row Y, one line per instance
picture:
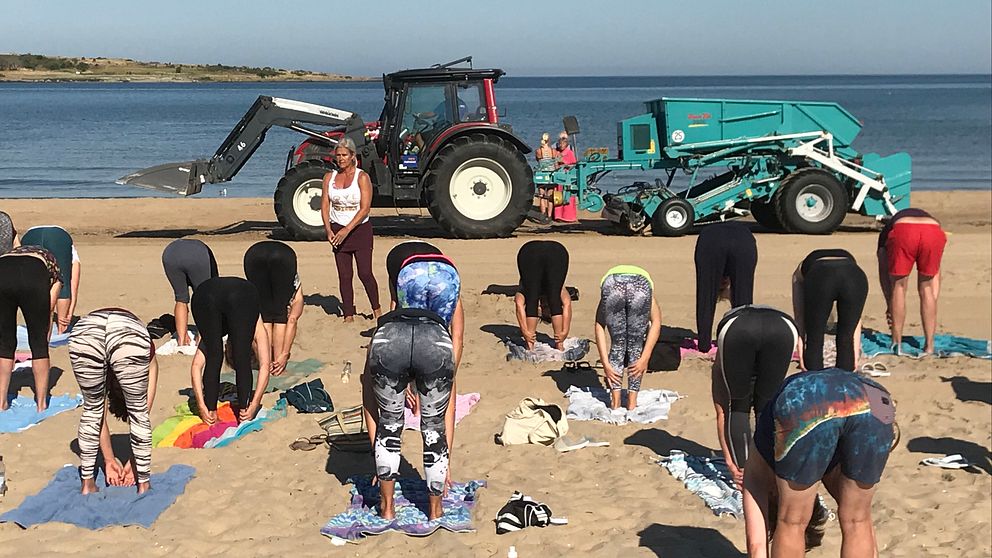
column 919, row 243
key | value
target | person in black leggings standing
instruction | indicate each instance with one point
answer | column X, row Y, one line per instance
column 399, row 254
column 543, row 265
column 187, row 263
column 825, row 277
column 754, row 351
column 271, row 267
column 228, row 306
column 29, row 280
column 726, row 256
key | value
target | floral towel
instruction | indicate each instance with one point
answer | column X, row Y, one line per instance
column 361, row 518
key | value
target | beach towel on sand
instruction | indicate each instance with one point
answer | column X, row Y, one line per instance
column 114, row 505
column 57, row 339
column 296, row 371
column 23, row 411
column 593, row 403
column 185, row 430
column 463, row 406
column 874, row 343
column 707, row 478
column 575, row 349
column 361, row 518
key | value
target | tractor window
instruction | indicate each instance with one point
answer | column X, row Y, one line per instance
column 471, row 102
column 426, row 107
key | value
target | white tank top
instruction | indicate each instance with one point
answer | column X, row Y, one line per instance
column 345, row 202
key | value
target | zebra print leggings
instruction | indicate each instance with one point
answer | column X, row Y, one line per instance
column 112, row 341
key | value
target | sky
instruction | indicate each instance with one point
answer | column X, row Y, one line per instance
column 525, row 38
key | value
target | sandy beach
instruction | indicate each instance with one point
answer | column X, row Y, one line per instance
column 259, row 498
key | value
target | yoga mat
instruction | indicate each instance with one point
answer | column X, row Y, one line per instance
column 874, row 343
column 114, row 505
column 463, row 406
column 296, row 372
column 361, row 518
column 23, row 411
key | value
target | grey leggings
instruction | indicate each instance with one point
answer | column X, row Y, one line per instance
column 112, row 341
column 625, row 310
column 418, row 349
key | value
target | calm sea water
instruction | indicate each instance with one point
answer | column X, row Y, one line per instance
column 74, row 140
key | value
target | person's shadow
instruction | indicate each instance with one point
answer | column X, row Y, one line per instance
column 976, row 454
column 662, row 443
column 966, row 389
column 24, row 378
column 568, row 376
column 686, row 540
column 330, row 304
column 345, row 465
column 511, row 333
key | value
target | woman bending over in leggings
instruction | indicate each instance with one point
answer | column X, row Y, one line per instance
column 825, row 277
column 228, row 306
column 543, row 265
column 726, row 255
column 31, row 282
column 113, row 358
column 754, row 351
column 187, row 263
column 271, row 267
column 628, row 312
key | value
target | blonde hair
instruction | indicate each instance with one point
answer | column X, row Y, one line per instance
column 545, row 138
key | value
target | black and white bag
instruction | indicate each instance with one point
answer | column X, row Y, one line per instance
column 523, row 511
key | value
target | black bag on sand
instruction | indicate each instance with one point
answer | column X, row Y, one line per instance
column 667, row 353
column 521, row 511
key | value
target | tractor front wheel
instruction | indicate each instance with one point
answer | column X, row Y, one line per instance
column 811, row 201
column 479, row 186
column 672, row 218
column 297, row 200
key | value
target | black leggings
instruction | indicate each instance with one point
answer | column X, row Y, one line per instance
column 825, row 282
column 543, row 265
column 226, row 306
column 755, row 350
column 722, row 250
column 271, row 267
column 25, row 284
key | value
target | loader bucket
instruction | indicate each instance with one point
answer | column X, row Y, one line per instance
column 897, row 171
column 175, row 178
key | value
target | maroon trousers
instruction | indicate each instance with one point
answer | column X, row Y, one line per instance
column 357, row 245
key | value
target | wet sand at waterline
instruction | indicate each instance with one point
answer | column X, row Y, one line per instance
column 258, row 497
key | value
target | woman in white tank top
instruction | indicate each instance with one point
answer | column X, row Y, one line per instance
column 344, row 207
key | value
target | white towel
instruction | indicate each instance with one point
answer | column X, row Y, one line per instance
column 592, row 403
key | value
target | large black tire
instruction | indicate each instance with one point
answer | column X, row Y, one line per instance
column 764, row 213
column 811, row 201
column 673, row 217
column 479, row 186
column 297, row 200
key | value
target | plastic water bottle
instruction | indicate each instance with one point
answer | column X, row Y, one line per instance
column 346, row 373
column 3, row 477
column 512, row 553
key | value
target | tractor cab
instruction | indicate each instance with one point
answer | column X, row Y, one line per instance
column 426, row 107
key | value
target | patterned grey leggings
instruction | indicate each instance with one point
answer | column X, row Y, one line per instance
column 626, row 313
column 112, row 341
column 418, row 349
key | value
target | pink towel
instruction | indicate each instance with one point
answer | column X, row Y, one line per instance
column 22, row 356
column 463, row 406
column 213, row 432
column 693, row 353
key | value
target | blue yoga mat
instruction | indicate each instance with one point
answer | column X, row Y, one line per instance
column 874, row 343
column 114, row 505
column 23, row 412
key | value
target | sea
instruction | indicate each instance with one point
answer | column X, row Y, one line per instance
column 73, row 140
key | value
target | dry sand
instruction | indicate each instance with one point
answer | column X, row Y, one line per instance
column 260, row 498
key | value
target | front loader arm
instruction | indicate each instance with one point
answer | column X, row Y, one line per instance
column 188, row 178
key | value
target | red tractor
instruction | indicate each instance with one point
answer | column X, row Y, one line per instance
column 437, row 143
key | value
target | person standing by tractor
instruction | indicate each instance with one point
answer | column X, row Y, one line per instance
column 568, row 212
column 346, row 201
column 547, row 160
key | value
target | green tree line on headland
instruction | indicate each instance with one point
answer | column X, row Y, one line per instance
column 40, row 62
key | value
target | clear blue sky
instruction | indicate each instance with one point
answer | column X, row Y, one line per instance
column 637, row 37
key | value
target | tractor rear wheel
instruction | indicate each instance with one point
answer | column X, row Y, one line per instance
column 672, row 218
column 297, row 200
column 479, row 186
column 811, row 201
column 764, row 214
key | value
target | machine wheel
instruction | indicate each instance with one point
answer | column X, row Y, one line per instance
column 811, row 201
column 672, row 218
column 479, row 186
column 764, row 214
column 297, row 200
